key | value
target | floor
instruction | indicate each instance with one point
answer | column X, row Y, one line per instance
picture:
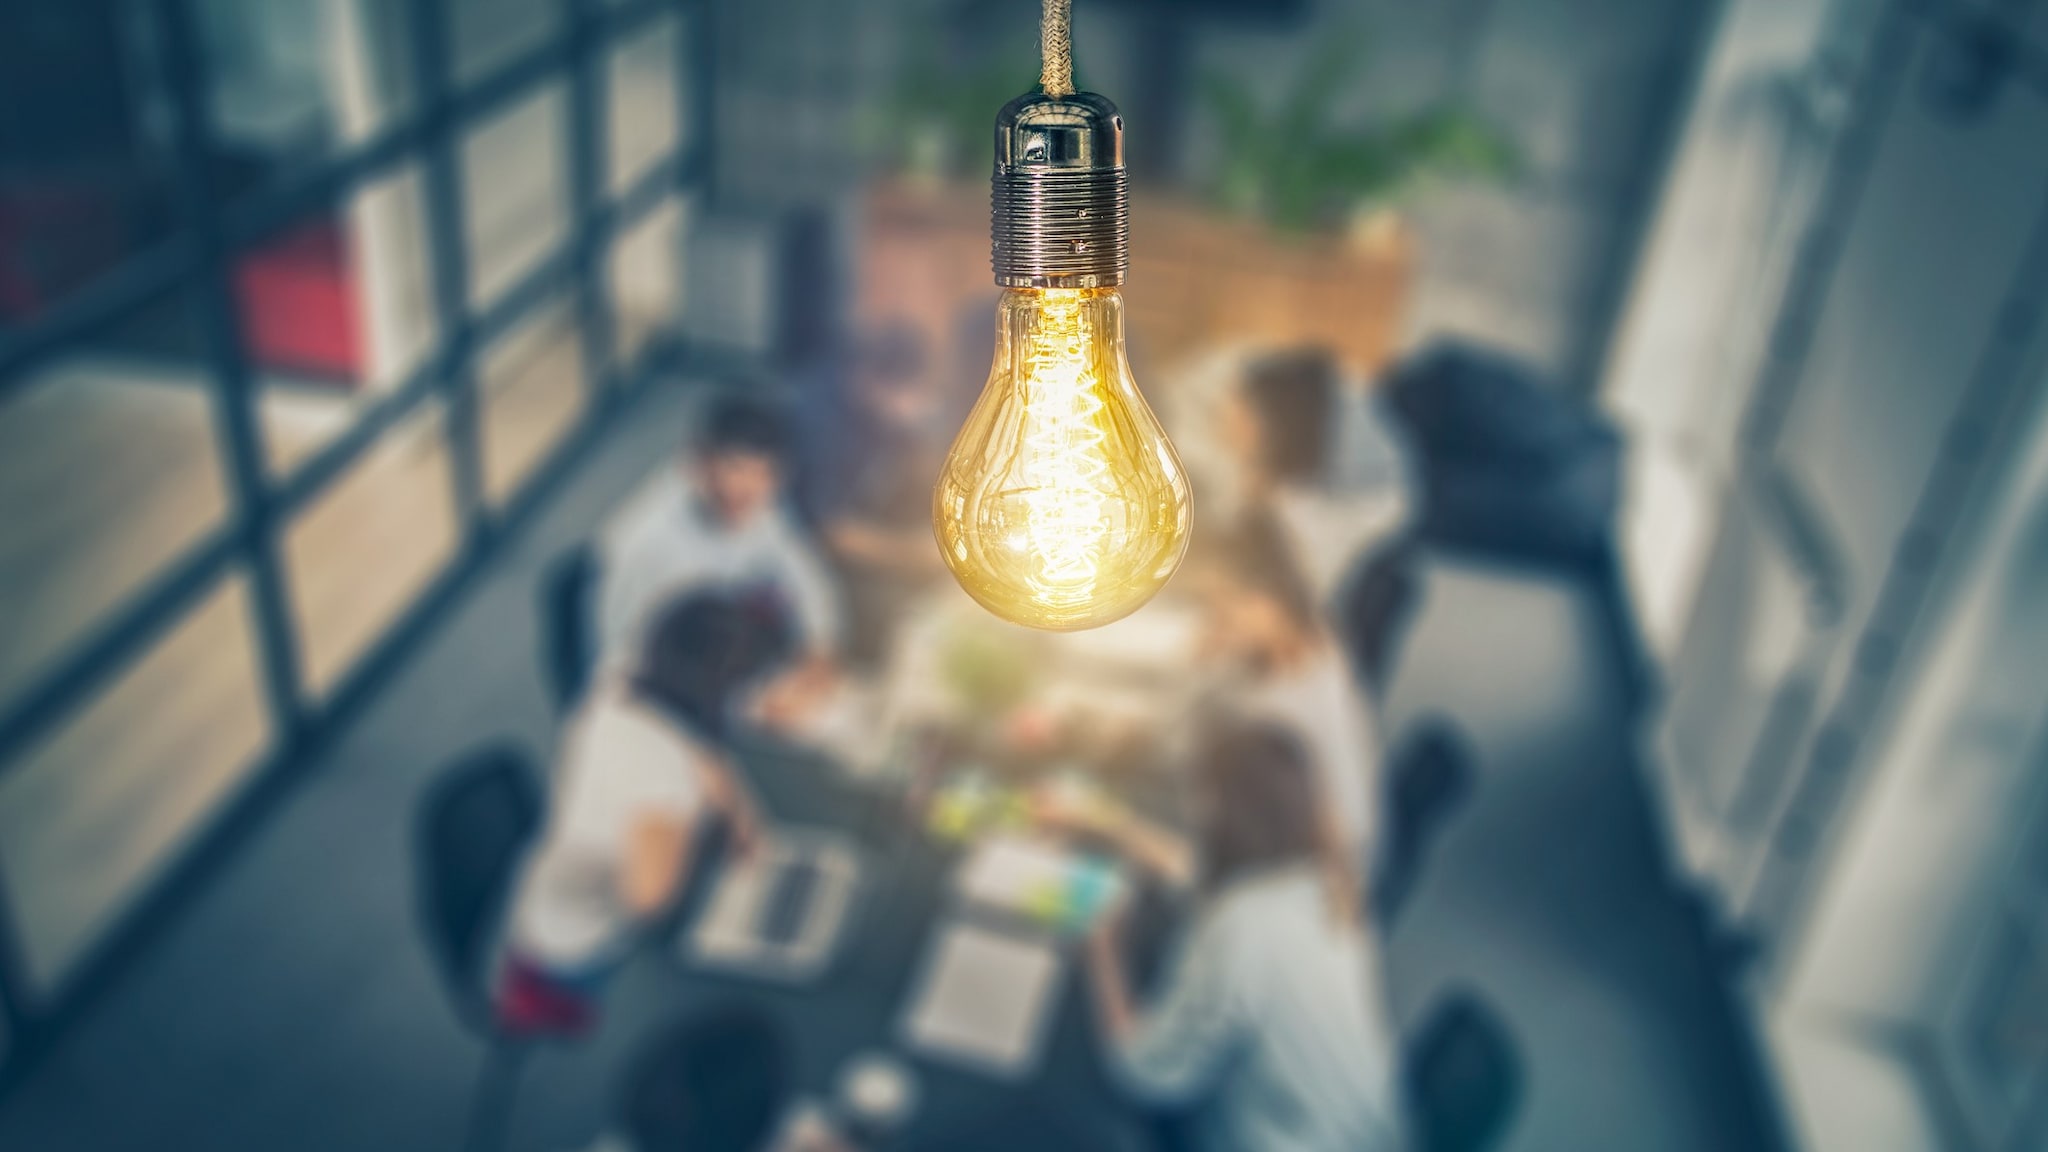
column 291, row 1006
column 354, row 558
column 1548, row 894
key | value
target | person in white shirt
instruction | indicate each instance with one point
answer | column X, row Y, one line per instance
column 718, row 522
column 1316, row 449
column 1280, row 663
column 871, row 449
column 641, row 772
column 1271, row 1030
column 1266, row 653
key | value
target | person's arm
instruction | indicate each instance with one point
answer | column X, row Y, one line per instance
column 1116, row 1017
column 1152, row 847
column 811, row 595
column 1155, row 848
column 788, row 700
column 657, row 855
column 868, row 544
column 1172, row 1051
column 728, row 794
column 620, row 595
column 1340, row 870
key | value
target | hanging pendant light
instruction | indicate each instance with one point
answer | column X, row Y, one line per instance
column 1062, row 504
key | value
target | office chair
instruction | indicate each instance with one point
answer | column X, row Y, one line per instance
column 1463, row 1077
column 474, row 825
column 1430, row 777
column 717, row 1079
column 568, row 619
column 1374, row 611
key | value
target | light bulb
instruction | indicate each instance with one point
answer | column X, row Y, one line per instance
column 1062, row 504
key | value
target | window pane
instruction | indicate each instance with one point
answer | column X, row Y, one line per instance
column 89, row 816
column 640, row 80
column 293, row 81
column 647, row 290
column 335, row 312
column 516, row 193
column 85, row 186
column 532, row 384
column 490, row 34
column 109, row 470
column 362, row 550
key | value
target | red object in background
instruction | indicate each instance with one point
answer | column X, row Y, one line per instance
column 298, row 305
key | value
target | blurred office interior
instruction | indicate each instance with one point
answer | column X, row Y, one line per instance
column 328, row 327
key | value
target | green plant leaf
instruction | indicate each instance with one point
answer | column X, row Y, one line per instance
column 1301, row 171
column 1240, row 181
column 1453, row 141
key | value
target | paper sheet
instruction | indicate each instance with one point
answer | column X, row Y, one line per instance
column 1040, row 879
column 984, row 999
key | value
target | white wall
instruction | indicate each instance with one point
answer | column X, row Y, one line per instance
column 1837, row 550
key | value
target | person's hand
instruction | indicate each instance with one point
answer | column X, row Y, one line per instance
column 746, row 830
column 1106, row 934
column 1074, row 806
column 787, row 700
column 1030, row 729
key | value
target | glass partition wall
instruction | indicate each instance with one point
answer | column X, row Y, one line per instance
column 296, row 320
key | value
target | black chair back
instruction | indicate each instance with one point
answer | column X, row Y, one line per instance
column 1463, row 1077
column 1431, row 776
column 568, row 619
column 1374, row 610
column 474, row 825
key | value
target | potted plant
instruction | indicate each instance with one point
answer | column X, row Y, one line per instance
column 1300, row 171
column 1299, row 239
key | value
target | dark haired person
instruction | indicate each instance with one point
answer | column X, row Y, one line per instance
column 641, row 770
column 718, row 522
column 871, row 455
column 1270, row 1029
column 1312, row 446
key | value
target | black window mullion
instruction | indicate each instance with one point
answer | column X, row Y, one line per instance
column 697, row 91
column 203, row 254
column 586, row 123
column 240, row 432
column 448, row 259
column 21, row 1023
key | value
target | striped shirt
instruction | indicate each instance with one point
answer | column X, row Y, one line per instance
column 1273, row 1022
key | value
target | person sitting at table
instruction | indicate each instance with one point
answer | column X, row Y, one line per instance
column 1265, row 651
column 870, row 457
column 1319, row 454
column 1280, row 662
column 718, row 522
column 641, row 771
column 1270, row 1032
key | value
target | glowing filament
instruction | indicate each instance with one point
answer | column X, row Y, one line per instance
column 1061, row 504
column 1065, row 467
